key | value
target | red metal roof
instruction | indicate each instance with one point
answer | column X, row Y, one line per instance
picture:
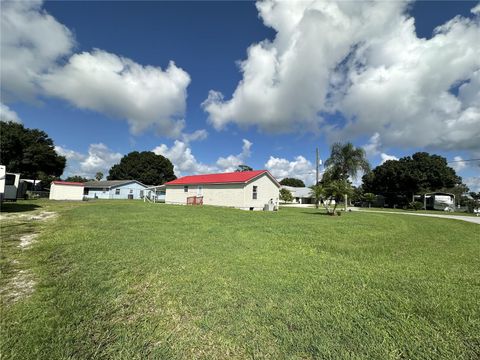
column 67, row 183
column 222, row 178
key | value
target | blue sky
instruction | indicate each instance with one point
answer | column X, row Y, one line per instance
column 255, row 83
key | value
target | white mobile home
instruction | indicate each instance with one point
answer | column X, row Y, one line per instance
column 249, row 190
column 66, row 190
column 115, row 189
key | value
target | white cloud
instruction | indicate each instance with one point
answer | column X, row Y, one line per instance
column 386, row 157
column 32, row 41
column 458, row 164
column 373, row 148
column 99, row 159
column 146, row 96
column 364, row 60
column 231, row 162
column 33, row 45
column 183, row 160
column 185, row 163
column 7, row 114
column 473, row 183
column 197, row 135
column 299, row 168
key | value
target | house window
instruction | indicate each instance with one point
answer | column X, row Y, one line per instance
column 141, row 193
column 131, row 191
column 104, row 190
column 117, row 191
column 255, row 193
column 185, row 189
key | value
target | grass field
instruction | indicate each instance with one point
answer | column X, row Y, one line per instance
column 129, row 280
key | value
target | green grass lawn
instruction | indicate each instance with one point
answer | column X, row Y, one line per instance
column 129, row 280
column 435, row 212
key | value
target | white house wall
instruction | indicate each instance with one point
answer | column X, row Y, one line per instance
column 66, row 192
column 266, row 190
column 228, row 195
column 125, row 190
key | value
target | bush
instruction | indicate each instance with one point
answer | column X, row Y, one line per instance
column 415, row 205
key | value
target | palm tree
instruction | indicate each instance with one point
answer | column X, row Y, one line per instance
column 346, row 161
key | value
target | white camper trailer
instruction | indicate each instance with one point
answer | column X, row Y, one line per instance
column 8, row 184
column 3, row 172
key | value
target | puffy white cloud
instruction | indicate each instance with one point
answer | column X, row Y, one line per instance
column 99, row 158
column 145, row 96
column 7, row 114
column 364, row 60
column 184, row 162
column 299, row 168
column 231, row 162
column 33, row 47
column 386, row 157
column 373, row 149
column 32, row 41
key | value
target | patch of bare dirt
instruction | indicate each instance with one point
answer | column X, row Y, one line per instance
column 26, row 240
column 19, row 287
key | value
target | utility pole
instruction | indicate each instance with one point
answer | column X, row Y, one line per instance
column 316, row 167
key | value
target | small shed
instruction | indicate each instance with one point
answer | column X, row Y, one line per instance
column 66, row 190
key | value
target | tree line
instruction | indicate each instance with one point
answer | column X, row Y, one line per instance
column 31, row 152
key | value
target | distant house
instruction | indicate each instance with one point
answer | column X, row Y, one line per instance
column 66, row 190
column 249, row 190
column 301, row 195
column 115, row 189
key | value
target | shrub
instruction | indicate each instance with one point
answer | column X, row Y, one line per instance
column 415, row 205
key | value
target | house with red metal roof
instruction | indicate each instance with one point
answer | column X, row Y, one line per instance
column 66, row 190
column 249, row 190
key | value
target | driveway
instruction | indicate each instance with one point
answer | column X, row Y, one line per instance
column 472, row 219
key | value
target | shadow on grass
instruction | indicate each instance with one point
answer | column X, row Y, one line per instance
column 316, row 213
column 15, row 207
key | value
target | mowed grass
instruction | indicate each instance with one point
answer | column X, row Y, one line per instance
column 129, row 280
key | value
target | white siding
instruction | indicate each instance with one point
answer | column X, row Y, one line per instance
column 228, row 195
column 66, row 192
column 132, row 188
column 266, row 190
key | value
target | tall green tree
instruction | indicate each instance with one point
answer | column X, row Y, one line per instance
column 30, row 152
column 241, row 168
column 99, row 176
column 346, row 161
column 77, row 178
column 146, row 167
column 399, row 180
column 292, row 182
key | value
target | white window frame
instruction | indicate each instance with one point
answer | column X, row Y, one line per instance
column 255, row 192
